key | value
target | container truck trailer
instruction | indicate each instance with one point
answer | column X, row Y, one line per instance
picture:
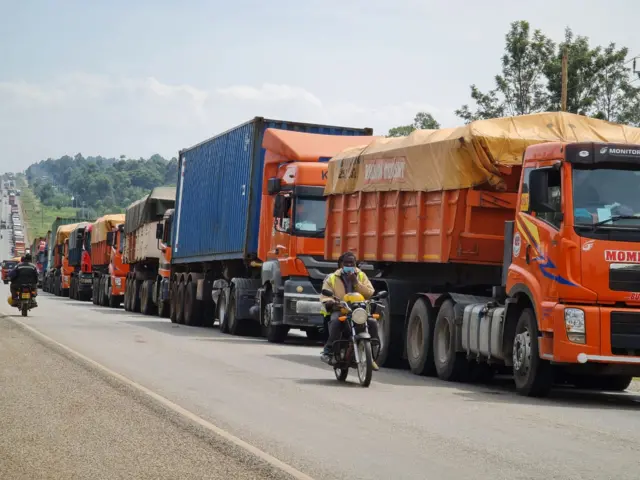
column 508, row 243
column 246, row 246
column 108, row 282
column 141, row 249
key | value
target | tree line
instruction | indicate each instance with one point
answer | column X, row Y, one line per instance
column 600, row 81
column 100, row 185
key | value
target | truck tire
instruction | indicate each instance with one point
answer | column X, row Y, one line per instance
column 180, row 304
column 532, row 375
column 237, row 326
column 71, row 289
column 277, row 333
column 419, row 339
column 192, row 310
column 391, row 341
column 135, row 297
column 163, row 305
column 147, row 306
column 450, row 365
column 127, row 295
column 94, row 290
column 114, row 300
column 222, row 312
column 173, row 297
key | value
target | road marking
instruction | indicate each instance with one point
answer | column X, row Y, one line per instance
column 270, row 459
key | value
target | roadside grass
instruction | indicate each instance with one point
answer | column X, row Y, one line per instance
column 37, row 217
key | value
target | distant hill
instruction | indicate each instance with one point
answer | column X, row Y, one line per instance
column 100, row 185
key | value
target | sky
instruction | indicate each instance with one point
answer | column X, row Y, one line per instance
column 141, row 77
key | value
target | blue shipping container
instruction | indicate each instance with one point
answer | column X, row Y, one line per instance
column 219, row 191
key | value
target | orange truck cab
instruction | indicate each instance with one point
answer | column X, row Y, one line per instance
column 118, row 270
column 526, row 261
column 161, row 288
column 66, row 270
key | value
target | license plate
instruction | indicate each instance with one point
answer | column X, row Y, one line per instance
column 26, row 295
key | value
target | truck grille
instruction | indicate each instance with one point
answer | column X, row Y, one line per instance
column 625, row 333
column 624, row 277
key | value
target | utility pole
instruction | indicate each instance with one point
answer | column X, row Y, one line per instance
column 565, row 72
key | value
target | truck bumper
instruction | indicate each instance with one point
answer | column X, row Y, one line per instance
column 85, row 282
column 612, row 337
column 302, row 307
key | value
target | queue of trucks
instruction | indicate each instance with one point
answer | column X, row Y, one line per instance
column 506, row 245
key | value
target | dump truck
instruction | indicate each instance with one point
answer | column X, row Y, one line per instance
column 108, row 279
column 141, row 249
column 246, row 246
column 81, row 279
column 508, row 244
column 60, row 273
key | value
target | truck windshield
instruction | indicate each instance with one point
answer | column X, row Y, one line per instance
column 309, row 217
column 606, row 196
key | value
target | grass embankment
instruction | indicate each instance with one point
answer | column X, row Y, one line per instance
column 38, row 217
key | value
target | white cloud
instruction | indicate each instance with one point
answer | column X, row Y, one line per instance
column 107, row 115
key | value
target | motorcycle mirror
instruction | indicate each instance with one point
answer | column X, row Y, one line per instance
column 382, row 295
column 327, row 293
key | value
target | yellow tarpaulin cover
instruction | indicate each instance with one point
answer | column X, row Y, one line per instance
column 64, row 231
column 462, row 157
column 104, row 225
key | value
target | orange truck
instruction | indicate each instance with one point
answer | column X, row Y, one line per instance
column 62, row 270
column 247, row 246
column 508, row 244
column 108, row 282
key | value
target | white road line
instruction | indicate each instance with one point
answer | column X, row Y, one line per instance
column 270, row 459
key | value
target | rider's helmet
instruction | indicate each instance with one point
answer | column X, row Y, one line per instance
column 27, row 258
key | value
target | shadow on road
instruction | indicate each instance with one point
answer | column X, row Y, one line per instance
column 329, row 382
column 499, row 390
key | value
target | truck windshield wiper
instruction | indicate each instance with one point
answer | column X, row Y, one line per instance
column 616, row 217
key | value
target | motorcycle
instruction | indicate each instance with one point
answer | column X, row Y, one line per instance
column 25, row 300
column 354, row 349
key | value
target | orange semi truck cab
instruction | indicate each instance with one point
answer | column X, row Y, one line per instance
column 576, row 255
column 292, row 227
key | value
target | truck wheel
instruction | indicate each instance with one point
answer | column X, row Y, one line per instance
column 237, row 326
column 533, row 376
column 135, row 297
column 146, row 295
column 390, row 333
column 71, row 292
column 127, row 294
column 114, row 300
column 192, row 311
column 418, row 340
column 277, row 333
column 221, row 312
column 163, row 305
column 450, row 365
column 172, row 302
column 180, row 304
column 94, row 291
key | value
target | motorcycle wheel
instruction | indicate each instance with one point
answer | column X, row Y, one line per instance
column 341, row 374
column 25, row 309
column 365, row 365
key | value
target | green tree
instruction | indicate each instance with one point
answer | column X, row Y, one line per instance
column 519, row 88
column 422, row 121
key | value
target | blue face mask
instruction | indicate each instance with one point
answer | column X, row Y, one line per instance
column 349, row 270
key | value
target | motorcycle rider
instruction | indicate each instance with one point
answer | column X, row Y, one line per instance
column 347, row 279
column 25, row 273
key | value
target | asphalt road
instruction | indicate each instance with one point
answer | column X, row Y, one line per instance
column 284, row 401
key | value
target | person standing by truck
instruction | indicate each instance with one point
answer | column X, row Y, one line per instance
column 347, row 279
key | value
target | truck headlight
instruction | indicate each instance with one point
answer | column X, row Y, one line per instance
column 574, row 324
column 359, row 316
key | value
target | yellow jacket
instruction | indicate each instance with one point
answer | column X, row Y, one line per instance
column 334, row 283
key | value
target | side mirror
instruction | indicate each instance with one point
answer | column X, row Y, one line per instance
column 110, row 238
column 273, row 186
column 539, row 191
column 382, row 295
column 327, row 293
column 159, row 231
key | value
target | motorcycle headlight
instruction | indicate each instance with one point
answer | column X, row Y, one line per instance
column 359, row 316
